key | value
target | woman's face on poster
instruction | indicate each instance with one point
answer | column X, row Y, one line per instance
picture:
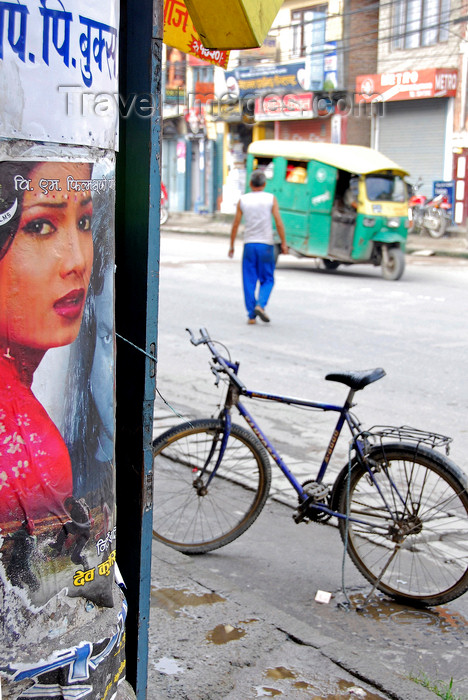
column 44, row 276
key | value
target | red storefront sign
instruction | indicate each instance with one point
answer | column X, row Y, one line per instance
column 276, row 107
column 180, row 33
column 407, row 85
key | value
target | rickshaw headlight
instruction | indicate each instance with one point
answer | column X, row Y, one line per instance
column 393, row 222
column 368, row 222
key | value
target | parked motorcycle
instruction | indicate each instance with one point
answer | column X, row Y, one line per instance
column 164, row 210
column 428, row 216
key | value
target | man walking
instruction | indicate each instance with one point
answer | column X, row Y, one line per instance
column 258, row 260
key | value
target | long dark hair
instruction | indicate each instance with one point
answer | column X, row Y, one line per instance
column 82, row 423
column 10, row 174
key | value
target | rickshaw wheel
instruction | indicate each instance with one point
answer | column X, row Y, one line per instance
column 330, row 264
column 393, row 264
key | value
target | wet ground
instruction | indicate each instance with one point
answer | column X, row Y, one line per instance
column 211, row 639
column 283, row 566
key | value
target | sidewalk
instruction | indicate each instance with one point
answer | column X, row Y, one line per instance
column 453, row 244
column 209, row 640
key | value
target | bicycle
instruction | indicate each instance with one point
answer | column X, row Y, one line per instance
column 402, row 506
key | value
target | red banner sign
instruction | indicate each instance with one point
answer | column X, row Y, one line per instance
column 180, row 33
column 407, row 85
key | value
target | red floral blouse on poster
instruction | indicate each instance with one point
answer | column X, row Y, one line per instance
column 35, row 468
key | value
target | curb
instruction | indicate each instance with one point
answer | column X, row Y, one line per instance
column 454, row 246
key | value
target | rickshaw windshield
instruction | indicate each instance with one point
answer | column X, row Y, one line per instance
column 387, row 188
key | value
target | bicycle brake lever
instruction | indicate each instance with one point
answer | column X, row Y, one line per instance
column 216, row 374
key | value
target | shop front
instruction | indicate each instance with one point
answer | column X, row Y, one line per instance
column 414, row 124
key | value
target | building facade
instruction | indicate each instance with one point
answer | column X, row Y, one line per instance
column 421, row 87
column 391, row 75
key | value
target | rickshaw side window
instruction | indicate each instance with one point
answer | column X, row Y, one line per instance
column 296, row 171
column 266, row 165
column 386, row 188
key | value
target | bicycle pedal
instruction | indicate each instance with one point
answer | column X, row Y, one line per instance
column 299, row 517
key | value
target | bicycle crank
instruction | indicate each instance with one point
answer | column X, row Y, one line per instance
column 317, row 494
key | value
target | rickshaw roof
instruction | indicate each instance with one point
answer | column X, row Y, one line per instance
column 354, row 159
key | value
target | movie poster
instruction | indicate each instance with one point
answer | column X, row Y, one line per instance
column 62, row 614
column 57, row 475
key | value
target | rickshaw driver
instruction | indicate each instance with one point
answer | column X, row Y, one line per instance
column 258, row 260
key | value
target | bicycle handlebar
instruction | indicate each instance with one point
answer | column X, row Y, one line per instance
column 203, row 339
column 225, row 365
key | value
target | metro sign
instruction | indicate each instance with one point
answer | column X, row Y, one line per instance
column 407, row 85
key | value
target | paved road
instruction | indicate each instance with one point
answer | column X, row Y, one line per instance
column 352, row 318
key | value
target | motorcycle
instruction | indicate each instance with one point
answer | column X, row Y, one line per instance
column 164, row 210
column 428, row 216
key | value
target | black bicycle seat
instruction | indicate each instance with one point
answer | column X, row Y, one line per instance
column 357, row 380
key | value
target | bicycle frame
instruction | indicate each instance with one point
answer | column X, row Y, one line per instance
column 344, row 417
column 236, row 388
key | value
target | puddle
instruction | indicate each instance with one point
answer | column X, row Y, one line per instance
column 174, row 600
column 222, row 634
column 302, row 685
column 279, row 672
column 354, row 691
column 168, row 666
column 267, row 692
column 384, row 609
column 346, row 689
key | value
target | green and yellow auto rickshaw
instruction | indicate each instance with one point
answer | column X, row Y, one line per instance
column 344, row 204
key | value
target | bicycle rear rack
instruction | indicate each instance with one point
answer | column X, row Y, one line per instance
column 406, row 433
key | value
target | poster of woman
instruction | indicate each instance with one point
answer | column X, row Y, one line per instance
column 56, row 478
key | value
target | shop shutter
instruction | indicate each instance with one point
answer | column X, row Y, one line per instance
column 412, row 133
column 305, row 130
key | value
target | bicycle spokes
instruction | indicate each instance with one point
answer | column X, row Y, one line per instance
column 408, row 527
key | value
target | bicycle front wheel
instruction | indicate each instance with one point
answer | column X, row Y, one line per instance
column 193, row 512
column 408, row 526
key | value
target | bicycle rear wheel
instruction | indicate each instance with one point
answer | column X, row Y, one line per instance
column 410, row 530
column 194, row 516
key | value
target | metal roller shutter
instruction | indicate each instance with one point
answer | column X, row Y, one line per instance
column 306, row 130
column 412, row 133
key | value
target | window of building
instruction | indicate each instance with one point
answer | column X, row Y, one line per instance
column 308, row 28
column 418, row 23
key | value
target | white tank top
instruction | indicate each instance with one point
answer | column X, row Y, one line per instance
column 256, row 209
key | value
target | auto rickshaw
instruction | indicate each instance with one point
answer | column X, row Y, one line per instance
column 344, row 204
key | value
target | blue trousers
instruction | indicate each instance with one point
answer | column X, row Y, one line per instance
column 258, row 265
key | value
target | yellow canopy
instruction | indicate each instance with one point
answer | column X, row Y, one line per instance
column 233, row 24
column 353, row 159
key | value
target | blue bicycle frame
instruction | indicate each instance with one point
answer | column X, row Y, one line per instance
column 237, row 388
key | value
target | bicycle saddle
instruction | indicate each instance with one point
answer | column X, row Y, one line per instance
column 357, row 380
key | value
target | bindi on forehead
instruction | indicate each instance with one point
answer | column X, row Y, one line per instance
column 57, row 198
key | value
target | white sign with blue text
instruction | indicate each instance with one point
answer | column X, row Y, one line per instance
column 59, row 68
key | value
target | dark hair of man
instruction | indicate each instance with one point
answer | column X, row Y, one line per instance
column 257, row 179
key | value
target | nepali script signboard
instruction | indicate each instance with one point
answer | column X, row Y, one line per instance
column 180, row 33
column 57, row 59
